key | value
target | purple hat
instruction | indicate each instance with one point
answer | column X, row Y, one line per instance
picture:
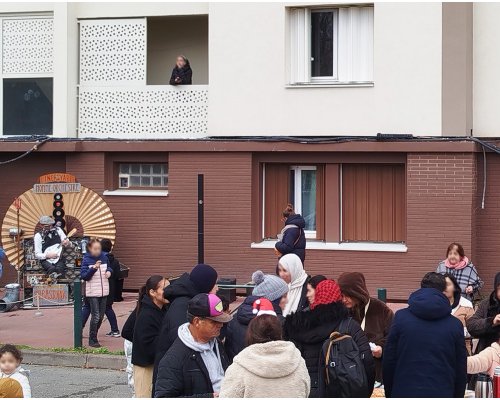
column 208, row 306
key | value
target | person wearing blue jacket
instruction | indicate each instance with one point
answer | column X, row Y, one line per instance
column 95, row 271
column 425, row 354
column 292, row 238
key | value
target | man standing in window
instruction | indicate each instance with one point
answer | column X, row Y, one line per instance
column 48, row 247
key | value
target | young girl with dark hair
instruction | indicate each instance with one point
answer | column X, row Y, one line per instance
column 458, row 265
column 95, row 272
column 268, row 366
column 149, row 316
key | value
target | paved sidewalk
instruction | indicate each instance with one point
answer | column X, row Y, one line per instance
column 55, row 327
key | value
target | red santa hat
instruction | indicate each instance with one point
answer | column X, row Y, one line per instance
column 263, row 306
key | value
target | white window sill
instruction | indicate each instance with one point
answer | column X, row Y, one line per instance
column 131, row 192
column 354, row 246
column 309, row 85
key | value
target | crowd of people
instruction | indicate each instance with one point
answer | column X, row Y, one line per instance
column 296, row 335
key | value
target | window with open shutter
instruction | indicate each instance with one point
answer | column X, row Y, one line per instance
column 331, row 45
column 301, row 186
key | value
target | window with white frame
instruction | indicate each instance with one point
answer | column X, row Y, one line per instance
column 302, row 195
column 26, row 91
column 331, row 45
column 143, row 176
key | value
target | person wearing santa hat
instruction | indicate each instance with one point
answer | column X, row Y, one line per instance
column 269, row 366
column 308, row 330
column 271, row 287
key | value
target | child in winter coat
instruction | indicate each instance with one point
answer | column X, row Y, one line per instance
column 96, row 272
column 10, row 367
column 486, row 361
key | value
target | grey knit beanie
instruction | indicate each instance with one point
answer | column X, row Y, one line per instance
column 271, row 287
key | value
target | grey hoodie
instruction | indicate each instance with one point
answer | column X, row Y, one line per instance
column 209, row 353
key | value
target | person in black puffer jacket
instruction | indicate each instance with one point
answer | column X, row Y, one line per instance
column 292, row 238
column 202, row 279
column 150, row 311
column 270, row 287
column 485, row 323
column 182, row 73
column 309, row 330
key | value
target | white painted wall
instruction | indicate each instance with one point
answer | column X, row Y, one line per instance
column 247, row 70
column 248, row 94
column 486, row 83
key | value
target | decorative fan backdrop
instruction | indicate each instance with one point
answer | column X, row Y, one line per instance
column 86, row 211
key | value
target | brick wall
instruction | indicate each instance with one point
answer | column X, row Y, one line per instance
column 487, row 220
column 159, row 234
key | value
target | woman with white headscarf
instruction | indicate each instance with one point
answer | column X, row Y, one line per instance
column 291, row 270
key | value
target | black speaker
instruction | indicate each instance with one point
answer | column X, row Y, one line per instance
column 58, row 212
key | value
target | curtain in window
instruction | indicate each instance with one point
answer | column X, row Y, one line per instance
column 353, row 58
column 373, row 202
column 300, row 32
column 355, row 47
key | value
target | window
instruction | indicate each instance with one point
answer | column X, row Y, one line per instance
column 341, row 202
column 143, row 176
column 302, row 194
column 298, row 185
column 26, row 87
column 27, row 106
column 333, row 45
column 373, row 203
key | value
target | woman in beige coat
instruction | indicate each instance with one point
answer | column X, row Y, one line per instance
column 485, row 361
column 269, row 366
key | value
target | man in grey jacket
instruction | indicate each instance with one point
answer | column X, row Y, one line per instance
column 194, row 365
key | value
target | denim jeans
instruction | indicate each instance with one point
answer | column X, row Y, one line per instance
column 97, row 310
column 110, row 315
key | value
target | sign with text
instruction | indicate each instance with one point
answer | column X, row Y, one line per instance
column 50, row 295
column 56, row 187
column 57, row 177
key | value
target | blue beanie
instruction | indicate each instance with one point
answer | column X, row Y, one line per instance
column 204, row 277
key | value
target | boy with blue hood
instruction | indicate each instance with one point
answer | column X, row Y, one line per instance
column 425, row 354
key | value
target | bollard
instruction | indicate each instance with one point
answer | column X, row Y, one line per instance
column 382, row 294
column 77, row 313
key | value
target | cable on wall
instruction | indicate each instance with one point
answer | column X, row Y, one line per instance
column 35, row 147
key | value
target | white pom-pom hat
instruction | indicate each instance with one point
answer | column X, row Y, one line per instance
column 263, row 307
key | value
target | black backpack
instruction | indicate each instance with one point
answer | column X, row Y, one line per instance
column 342, row 366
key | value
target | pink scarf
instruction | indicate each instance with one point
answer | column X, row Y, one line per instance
column 460, row 265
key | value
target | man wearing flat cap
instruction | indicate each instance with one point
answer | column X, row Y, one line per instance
column 48, row 246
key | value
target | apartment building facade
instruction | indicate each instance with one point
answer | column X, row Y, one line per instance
column 286, row 104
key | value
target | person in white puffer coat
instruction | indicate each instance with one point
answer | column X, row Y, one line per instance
column 269, row 366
